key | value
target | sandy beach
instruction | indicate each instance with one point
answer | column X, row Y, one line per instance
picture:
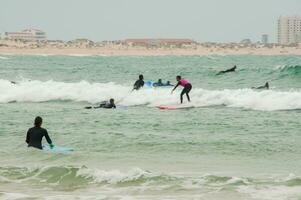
column 84, row 47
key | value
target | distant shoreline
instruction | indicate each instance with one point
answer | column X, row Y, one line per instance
column 148, row 52
column 126, row 48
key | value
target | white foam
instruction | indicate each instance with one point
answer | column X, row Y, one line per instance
column 38, row 91
column 112, row 177
column 3, row 58
column 271, row 192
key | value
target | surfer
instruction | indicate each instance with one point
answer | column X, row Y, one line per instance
column 35, row 135
column 139, row 83
column 265, row 86
column 187, row 87
column 104, row 104
column 227, row 71
column 158, row 84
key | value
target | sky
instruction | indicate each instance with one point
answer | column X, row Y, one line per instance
column 201, row 20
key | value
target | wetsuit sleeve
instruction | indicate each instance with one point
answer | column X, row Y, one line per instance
column 176, row 86
column 135, row 85
column 47, row 137
column 28, row 136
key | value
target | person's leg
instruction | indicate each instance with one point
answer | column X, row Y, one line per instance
column 188, row 88
column 182, row 93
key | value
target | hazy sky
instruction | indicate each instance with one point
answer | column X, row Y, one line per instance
column 202, row 20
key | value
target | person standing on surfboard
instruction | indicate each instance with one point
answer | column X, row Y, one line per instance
column 139, row 83
column 35, row 135
column 187, row 87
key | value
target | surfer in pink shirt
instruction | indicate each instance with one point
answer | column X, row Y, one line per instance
column 187, row 87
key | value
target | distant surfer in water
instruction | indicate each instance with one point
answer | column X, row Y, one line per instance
column 187, row 87
column 227, row 71
column 265, row 86
column 104, row 104
column 35, row 135
column 139, row 83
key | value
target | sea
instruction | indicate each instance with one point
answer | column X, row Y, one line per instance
column 231, row 143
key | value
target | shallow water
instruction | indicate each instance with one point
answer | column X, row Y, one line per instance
column 234, row 143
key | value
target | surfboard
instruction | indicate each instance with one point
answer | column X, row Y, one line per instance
column 148, row 83
column 46, row 147
column 173, row 107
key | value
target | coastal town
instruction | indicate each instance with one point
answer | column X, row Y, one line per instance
column 34, row 41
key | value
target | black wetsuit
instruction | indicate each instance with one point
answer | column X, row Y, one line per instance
column 138, row 84
column 35, row 135
column 227, row 71
column 106, row 104
column 186, row 91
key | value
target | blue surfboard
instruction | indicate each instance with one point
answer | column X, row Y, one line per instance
column 46, row 147
column 148, row 83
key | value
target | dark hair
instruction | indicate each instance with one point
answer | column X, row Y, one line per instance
column 112, row 100
column 179, row 77
column 38, row 121
column 140, row 76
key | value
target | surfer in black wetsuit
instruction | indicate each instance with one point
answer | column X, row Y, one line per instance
column 158, row 84
column 227, row 71
column 139, row 83
column 104, row 104
column 35, row 135
column 265, row 86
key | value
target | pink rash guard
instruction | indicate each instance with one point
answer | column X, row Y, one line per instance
column 183, row 82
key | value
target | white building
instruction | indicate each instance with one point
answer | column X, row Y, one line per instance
column 28, row 34
column 289, row 30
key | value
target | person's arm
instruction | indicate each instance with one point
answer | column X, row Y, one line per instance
column 48, row 139
column 27, row 137
column 175, row 87
column 135, row 85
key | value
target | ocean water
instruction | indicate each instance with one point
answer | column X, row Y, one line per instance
column 233, row 143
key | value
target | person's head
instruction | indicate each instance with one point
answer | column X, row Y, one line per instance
column 235, row 66
column 160, row 81
column 178, row 78
column 267, row 84
column 168, row 82
column 141, row 77
column 112, row 101
column 38, row 121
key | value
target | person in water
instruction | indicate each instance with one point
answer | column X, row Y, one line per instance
column 158, row 84
column 265, row 86
column 227, row 71
column 139, row 83
column 187, row 87
column 168, row 84
column 35, row 135
column 104, row 104
column 107, row 104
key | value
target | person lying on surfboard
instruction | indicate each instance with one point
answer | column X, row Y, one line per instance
column 187, row 87
column 139, row 83
column 35, row 135
column 265, row 86
column 104, row 104
column 227, row 71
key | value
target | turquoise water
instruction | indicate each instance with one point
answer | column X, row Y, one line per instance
column 234, row 143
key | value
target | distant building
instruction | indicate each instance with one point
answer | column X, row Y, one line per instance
column 289, row 30
column 265, row 39
column 27, row 35
column 246, row 41
column 178, row 42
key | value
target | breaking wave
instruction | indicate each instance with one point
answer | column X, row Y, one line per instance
column 73, row 178
column 38, row 91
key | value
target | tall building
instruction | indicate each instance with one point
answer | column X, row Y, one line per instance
column 289, row 30
column 28, row 34
column 265, row 39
